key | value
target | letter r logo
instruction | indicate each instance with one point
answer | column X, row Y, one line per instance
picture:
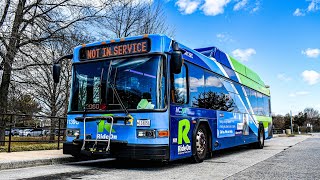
column 104, row 126
column 184, row 127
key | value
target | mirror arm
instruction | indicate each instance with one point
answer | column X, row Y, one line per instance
column 56, row 67
column 69, row 56
column 181, row 50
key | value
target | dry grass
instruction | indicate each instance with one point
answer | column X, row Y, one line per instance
column 30, row 146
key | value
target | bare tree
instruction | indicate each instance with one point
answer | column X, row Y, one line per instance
column 129, row 18
column 38, row 77
column 300, row 119
column 22, row 102
column 312, row 116
column 154, row 20
column 29, row 29
column 24, row 24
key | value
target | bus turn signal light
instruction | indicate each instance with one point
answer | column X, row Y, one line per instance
column 163, row 133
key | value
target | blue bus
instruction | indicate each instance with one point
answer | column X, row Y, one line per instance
column 150, row 97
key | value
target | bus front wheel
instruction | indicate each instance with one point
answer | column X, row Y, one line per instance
column 200, row 143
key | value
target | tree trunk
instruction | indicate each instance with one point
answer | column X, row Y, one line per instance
column 8, row 61
column 53, row 112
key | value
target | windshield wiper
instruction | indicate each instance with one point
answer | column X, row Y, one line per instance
column 115, row 92
column 123, row 107
column 100, row 89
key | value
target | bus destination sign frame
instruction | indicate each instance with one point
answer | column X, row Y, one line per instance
column 114, row 49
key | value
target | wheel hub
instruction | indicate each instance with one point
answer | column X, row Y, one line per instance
column 261, row 137
column 201, row 142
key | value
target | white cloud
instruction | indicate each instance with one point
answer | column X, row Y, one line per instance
column 314, row 5
column 214, row 7
column 131, row 2
column 284, row 77
column 243, row 54
column 311, row 77
column 298, row 12
column 240, row 4
column 292, row 95
column 195, row 83
column 142, row 1
column 188, row 6
column 180, row 81
column 224, row 37
column 302, row 92
column 299, row 93
column 257, row 6
column 213, row 81
column 220, row 36
column 311, row 53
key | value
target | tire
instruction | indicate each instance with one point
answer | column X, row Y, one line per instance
column 200, row 144
column 260, row 143
column 28, row 135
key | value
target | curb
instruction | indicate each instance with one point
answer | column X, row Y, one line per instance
column 37, row 162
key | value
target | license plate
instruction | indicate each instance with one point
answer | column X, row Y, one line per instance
column 143, row 122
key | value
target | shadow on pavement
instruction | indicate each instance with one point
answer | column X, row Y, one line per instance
column 146, row 165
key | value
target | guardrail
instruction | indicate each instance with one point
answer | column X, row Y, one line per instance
column 277, row 131
column 44, row 129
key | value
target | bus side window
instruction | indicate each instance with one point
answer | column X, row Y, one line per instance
column 196, row 86
column 178, row 91
column 254, row 103
column 217, row 96
column 260, row 108
column 269, row 107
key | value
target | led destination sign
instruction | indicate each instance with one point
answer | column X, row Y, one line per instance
column 116, row 49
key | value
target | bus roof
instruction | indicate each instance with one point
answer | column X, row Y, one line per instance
column 242, row 73
column 210, row 58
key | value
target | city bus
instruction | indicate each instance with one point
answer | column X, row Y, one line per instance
column 150, row 97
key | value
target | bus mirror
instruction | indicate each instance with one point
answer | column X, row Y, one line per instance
column 176, row 62
column 176, row 58
column 56, row 72
column 56, row 68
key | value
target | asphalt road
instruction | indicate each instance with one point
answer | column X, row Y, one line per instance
column 298, row 162
column 282, row 158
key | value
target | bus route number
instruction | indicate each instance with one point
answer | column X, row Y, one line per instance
column 93, row 106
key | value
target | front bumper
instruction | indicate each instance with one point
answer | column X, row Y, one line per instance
column 121, row 149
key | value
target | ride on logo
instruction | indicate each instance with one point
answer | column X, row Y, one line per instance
column 183, row 139
column 105, row 126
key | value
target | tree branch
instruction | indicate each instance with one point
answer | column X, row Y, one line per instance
column 5, row 12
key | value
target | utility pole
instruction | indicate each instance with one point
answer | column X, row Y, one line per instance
column 291, row 122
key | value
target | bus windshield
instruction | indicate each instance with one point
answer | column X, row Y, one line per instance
column 139, row 82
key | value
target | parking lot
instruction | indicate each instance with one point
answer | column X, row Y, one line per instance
column 32, row 132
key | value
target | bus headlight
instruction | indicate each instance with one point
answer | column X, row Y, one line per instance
column 73, row 133
column 77, row 134
column 146, row 133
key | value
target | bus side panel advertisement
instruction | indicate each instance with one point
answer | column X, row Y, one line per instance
column 181, row 137
column 231, row 124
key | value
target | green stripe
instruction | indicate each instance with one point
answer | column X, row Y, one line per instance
column 249, row 77
column 238, row 66
column 265, row 120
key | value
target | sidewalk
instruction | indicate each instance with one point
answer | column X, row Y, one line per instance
column 32, row 158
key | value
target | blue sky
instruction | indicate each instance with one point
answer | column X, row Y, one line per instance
column 278, row 39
